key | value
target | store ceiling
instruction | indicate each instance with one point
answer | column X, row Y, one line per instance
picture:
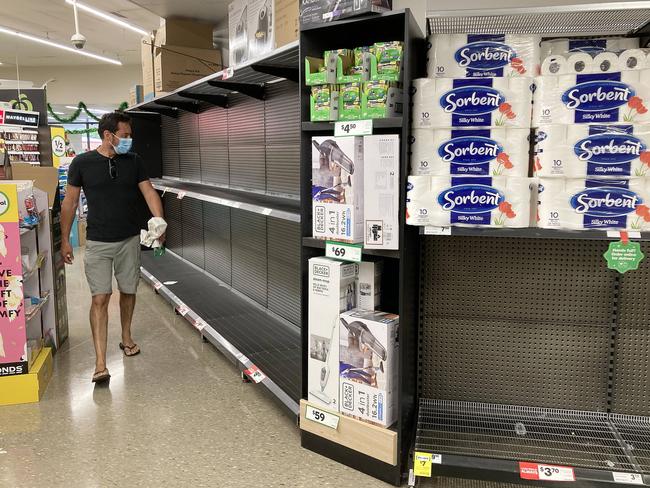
column 209, row 10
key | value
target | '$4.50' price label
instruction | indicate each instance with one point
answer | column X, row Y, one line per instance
column 546, row 472
column 356, row 128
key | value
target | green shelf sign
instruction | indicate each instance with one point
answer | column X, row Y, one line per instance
column 623, row 256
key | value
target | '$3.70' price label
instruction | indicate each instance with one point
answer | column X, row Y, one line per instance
column 546, row 472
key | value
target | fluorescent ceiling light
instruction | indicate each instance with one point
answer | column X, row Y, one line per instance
column 110, row 18
column 47, row 42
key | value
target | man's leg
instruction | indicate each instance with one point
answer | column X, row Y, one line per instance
column 99, row 326
column 127, row 304
column 127, row 274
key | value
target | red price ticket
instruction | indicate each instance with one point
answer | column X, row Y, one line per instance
column 546, row 472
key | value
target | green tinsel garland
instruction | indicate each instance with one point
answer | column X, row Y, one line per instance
column 81, row 106
column 81, row 131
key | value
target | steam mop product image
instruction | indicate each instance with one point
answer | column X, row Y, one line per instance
column 381, row 191
column 314, row 12
column 350, row 101
column 380, row 99
column 577, row 203
column 337, row 188
column 238, row 31
column 260, row 27
column 470, row 152
column 369, row 285
column 471, row 102
column 482, row 55
column 441, row 201
column 324, row 103
column 368, row 366
column 603, row 98
column 332, row 290
column 580, row 151
column 591, row 46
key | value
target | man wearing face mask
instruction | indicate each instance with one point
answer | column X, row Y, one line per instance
column 112, row 179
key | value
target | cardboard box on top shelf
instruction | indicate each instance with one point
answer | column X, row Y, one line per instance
column 135, row 95
column 238, row 32
column 146, row 51
column 175, row 66
column 186, row 33
column 287, row 21
column 261, row 29
column 314, row 12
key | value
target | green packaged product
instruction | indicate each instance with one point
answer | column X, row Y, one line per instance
column 387, row 61
column 358, row 54
column 324, row 103
column 350, row 101
column 380, row 99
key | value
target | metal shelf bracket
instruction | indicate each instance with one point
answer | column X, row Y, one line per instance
column 255, row 90
column 291, row 73
column 218, row 100
column 193, row 107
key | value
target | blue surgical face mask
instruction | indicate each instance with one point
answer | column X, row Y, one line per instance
column 123, row 146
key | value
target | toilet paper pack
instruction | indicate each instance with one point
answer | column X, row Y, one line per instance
column 468, row 201
column 592, row 98
column 472, row 102
column 592, row 46
column 482, row 55
column 584, row 63
column 470, row 152
column 580, row 151
column 578, row 203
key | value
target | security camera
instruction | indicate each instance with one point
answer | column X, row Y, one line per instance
column 78, row 41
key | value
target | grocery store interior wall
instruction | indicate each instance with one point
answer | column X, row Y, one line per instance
column 96, row 85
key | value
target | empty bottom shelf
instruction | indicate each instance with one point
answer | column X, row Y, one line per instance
column 591, row 442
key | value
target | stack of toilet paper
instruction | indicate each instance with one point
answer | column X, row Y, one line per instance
column 581, row 151
column 470, row 152
column 592, row 46
column 468, row 201
column 578, row 203
column 602, row 98
column 483, row 55
column 605, row 62
column 472, row 102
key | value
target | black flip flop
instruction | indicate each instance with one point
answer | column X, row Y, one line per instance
column 101, row 376
column 130, row 348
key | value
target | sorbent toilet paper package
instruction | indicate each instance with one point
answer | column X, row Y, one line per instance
column 483, row 55
column 472, row 102
column 578, row 203
column 618, row 97
column 585, row 63
column 591, row 46
column 470, row 152
column 580, row 151
column 441, row 201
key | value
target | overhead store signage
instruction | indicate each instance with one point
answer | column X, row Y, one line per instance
column 356, row 128
column 18, row 117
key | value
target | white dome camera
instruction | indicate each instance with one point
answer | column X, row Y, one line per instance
column 78, row 40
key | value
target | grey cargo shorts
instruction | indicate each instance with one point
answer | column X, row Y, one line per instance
column 102, row 258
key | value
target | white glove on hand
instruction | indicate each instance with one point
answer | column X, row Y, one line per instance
column 157, row 227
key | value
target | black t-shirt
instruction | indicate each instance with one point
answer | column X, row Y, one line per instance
column 112, row 203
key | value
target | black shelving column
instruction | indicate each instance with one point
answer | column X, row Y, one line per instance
column 400, row 286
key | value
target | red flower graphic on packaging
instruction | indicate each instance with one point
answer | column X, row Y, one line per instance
column 506, row 213
column 518, row 65
column 644, row 157
column 504, row 163
column 636, row 105
column 643, row 211
column 506, row 113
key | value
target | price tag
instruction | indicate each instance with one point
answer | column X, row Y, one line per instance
column 229, row 73
column 182, row 310
column 628, row 478
column 422, row 462
column 267, row 211
column 181, row 195
column 344, row 252
column 617, row 234
column 200, row 325
column 356, row 128
column 437, row 231
column 325, row 418
column 157, row 286
column 545, row 472
column 255, row 374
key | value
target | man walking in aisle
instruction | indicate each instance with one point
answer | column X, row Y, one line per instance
column 111, row 178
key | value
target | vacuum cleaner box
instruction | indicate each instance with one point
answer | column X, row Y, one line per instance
column 238, row 32
column 368, row 362
column 332, row 290
column 369, row 285
column 381, row 191
column 314, row 12
column 261, row 37
column 337, row 188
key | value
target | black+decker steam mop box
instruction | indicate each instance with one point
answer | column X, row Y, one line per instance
column 332, row 290
column 337, row 188
column 368, row 365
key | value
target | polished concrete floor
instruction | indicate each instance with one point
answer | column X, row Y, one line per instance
column 177, row 415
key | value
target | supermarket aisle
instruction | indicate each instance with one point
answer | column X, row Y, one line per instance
column 177, row 415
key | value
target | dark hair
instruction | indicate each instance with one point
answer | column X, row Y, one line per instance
column 110, row 120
